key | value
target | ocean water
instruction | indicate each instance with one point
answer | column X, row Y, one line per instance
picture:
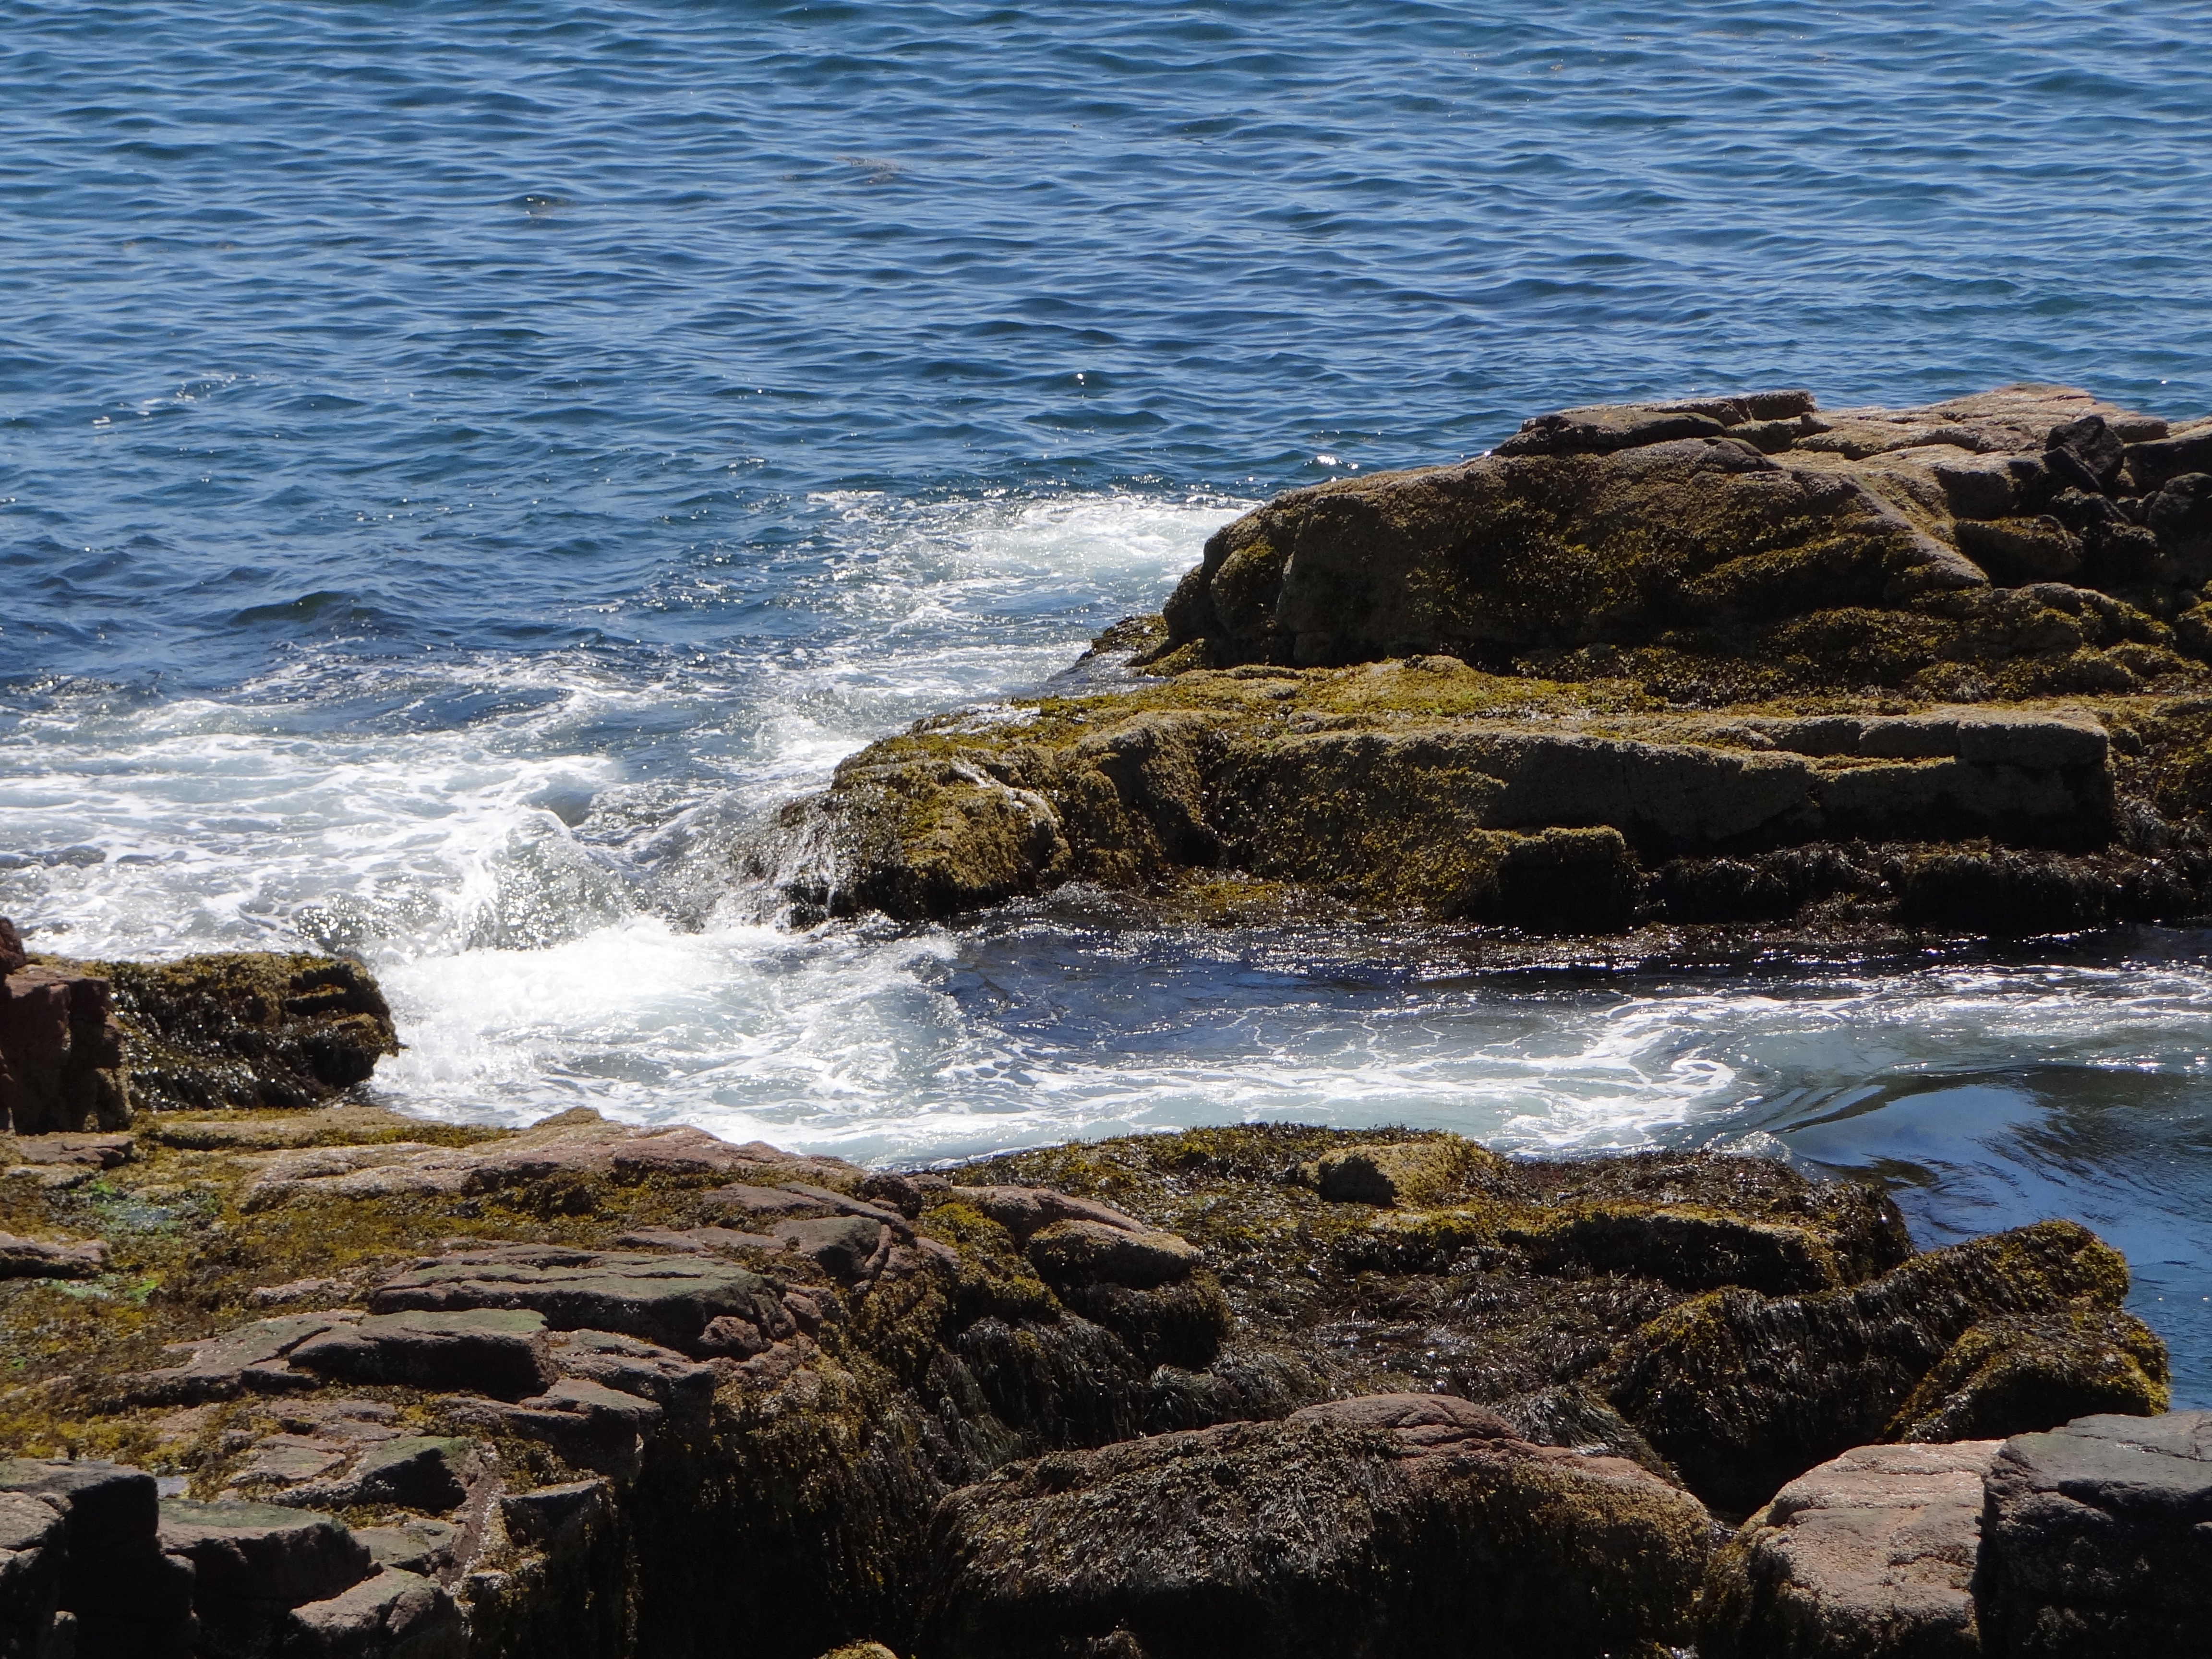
column 459, row 466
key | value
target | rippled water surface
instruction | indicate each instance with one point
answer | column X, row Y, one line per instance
column 460, row 465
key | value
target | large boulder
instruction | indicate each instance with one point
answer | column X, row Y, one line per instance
column 2098, row 1539
column 1412, row 1524
column 1744, row 1392
column 1692, row 522
column 1870, row 1556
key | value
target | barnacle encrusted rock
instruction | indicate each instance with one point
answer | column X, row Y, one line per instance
column 1937, row 670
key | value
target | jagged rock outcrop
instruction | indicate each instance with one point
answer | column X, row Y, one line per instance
column 1689, row 666
column 597, row 1390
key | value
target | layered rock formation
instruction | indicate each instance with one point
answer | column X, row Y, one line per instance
column 597, row 1390
column 1703, row 664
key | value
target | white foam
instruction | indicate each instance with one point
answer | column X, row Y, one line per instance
column 487, row 833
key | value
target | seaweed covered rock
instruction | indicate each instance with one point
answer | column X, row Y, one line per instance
column 1870, row 1556
column 1410, row 1523
column 249, row 1029
column 2027, row 1372
column 82, row 1043
column 1744, row 1391
column 1859, row 673
column 1703, row 529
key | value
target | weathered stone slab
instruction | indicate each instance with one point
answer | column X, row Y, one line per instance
column 30, row 1569
column 38, row 1258
column 388, row 1615
column 61, row 1052
column 501, row 1352
column 1022, row 1210
column 2098, row 1539
column 667, row 1299
column 251, row 1359
column 417, row 1545
column 848, row 1248
column 244, row 1554
column 574, row 1145
column 542, row 1516
column 125, row 1594
column 414, row 1472
column 591, row 1426
column 1870, row 1556
column 764, row 1203
column 94, row 1151
column 628, row 1365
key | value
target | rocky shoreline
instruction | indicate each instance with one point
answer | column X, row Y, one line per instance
column 289, row 1374
column 1731, row 664
column 292, row 1378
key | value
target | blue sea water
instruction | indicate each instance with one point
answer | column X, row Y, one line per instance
column 459, row 465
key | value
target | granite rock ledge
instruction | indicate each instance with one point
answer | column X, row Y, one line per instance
column 1732, row 663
